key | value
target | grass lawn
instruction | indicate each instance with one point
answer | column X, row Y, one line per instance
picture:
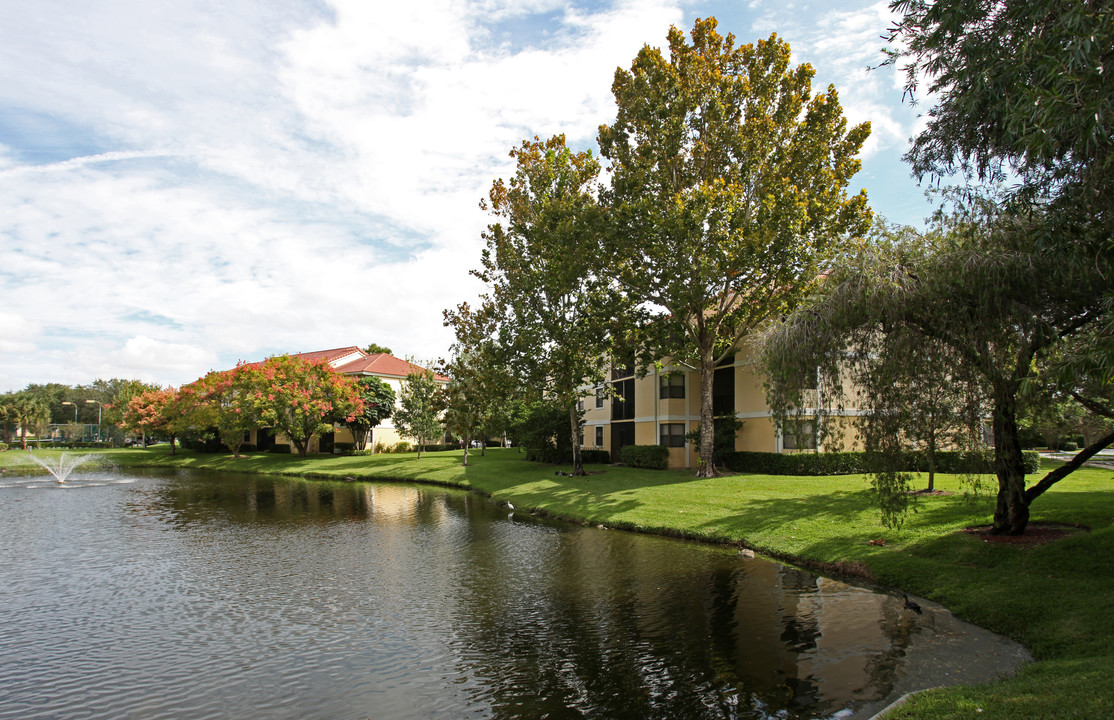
column 1057, row 599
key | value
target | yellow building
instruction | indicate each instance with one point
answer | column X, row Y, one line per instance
column 664, row 405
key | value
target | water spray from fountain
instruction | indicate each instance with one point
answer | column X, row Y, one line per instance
column 62, row 470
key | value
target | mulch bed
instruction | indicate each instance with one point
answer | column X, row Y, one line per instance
column 1035, row 534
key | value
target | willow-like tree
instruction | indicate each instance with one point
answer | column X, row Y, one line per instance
column 553, row 308
column 1022, row 90
column 729, row 187
column 976, row 292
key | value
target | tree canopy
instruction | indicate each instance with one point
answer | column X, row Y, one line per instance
column 729, row 187
column 551, row 304
column 979, row 293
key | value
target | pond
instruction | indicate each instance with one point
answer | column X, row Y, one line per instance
column 190, row 595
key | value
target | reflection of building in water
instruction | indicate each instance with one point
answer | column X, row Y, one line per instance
column 835, row 639
column 767, row 631
column 392, row 502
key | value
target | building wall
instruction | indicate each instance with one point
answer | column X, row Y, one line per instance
column 758, row 434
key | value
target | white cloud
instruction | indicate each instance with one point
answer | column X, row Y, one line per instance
column 145, row 358
column 193, row 184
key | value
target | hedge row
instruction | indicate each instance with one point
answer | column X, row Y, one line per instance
column 850, row 463
column 651, row 457
column 551, row 456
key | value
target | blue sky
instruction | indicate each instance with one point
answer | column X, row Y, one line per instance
column 187, row 184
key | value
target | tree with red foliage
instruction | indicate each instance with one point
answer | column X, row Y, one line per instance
column 303, row 398
column 156, row 413
column 228, row 400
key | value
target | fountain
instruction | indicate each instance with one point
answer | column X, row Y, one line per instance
column 64, row 467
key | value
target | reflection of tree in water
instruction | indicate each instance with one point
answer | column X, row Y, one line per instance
column 540, row 619
column 259, row 499
column 606, row 627
column 899, row 628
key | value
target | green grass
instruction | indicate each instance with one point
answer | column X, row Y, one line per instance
column 1056, row 599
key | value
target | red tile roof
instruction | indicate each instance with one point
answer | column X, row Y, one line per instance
column 377, row 364
column 384, row 364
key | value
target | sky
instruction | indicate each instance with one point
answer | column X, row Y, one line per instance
column 187, row 184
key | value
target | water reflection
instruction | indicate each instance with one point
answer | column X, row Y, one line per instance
column 351, row 600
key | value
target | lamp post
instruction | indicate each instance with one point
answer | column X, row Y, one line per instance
column 100, row 408
column 67, row 402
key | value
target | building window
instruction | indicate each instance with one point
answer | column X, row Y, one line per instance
column 580, row 405
column 599, row 436
column 799, row 436
column 672, row 386
column 580, row 439
column 622, row 404
column 599, row 398
column 673, row 434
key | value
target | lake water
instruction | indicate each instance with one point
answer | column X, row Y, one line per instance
column 189, row 595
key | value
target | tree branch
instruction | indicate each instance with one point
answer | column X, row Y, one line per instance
column 1068, row 468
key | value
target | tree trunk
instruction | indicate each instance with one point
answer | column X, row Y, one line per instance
column 467, row 444
column 1011, row 514
column 932, row 462
column 574, row 430
column 707, row 421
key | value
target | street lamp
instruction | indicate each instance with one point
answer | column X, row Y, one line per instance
column 67, row 402
column 100, row 407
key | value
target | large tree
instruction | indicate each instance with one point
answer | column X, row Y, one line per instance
column 1020, row 86
column 978, row 292
column 157, row 413
column 553, row 302
column 1022, row 90
column 304, row 398
column 729, row 186
column 227, row 400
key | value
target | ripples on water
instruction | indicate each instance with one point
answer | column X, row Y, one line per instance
column 197, row 596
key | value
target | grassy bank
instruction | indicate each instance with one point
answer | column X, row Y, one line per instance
column 1057, row 599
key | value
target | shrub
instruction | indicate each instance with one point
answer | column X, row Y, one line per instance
column 380, row 447
column 440, row 447
column 549, row 454
column 651, row 457
column 594, row 457
column 850, row 463
column 344, row 448
column 835, row 463
column 3, row 446
column 401, row 446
